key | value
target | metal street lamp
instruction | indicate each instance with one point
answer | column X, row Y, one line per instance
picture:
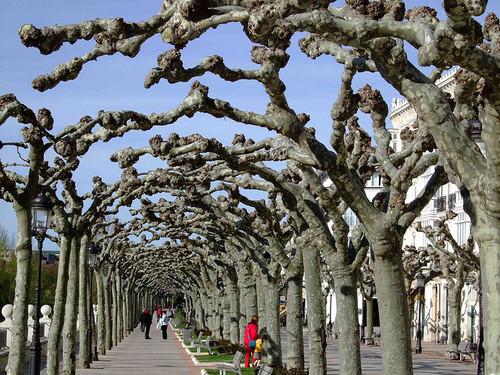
column 41, row 210
column 93, row 253
column 420, row 285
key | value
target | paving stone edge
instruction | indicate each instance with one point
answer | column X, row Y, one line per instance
column 193, row 358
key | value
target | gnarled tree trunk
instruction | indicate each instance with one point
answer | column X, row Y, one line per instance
column 272, row 318
column 83, row 316
column 395, row 325
column 315, row 317
column 56, row 327
column 294, row 318
column 347, row 324
column 15, row 365
column 101, row 327
column 70, row 317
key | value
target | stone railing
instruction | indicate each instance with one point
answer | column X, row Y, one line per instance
column 6, row 331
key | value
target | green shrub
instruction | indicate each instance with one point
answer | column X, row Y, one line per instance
column 225, row 346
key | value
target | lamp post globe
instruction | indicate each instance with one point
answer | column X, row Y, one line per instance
column 93, row 253
column 41, row 209
column 420, row 286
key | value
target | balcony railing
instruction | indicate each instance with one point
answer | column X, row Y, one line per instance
column 452, row 200
column 444, row 203
column 440, row 204
column 3, row 338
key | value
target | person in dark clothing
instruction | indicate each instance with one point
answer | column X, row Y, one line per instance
column 164, row 325
column 148, row 319
column 143, row 319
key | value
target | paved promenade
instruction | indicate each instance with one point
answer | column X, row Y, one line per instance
column 135, row 355
column 430, row 362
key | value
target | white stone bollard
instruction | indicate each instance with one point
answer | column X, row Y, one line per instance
column 45, row 321
column 7, row 323
column 31, row 312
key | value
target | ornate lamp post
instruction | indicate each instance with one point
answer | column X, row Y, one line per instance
column 41, row 210
column 420, row 285
column 93, row 253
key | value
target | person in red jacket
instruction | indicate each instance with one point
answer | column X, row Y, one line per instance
column 159, row 312
column 251, row 333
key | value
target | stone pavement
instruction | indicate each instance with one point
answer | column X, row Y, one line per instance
column 430, row 362
column 136, row 355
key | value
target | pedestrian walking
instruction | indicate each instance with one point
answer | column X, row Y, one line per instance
column 143, row 319
column 148, row 319
column 164, row 325
column 257, row 355
column 251, row 334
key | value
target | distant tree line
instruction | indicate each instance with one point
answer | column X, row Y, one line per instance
column 8, row 274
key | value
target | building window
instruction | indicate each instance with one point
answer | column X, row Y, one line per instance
column 376, row 180
column 350, row 218
column 426, row 223
column 452, row 200
column 463, row 228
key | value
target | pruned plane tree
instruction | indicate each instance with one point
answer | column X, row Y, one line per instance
column 364, row 36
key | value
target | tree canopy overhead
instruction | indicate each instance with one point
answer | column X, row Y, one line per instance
column 205, row 177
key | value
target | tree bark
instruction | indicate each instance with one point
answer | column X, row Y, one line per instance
column 369, row 319
column 124, row 305
column 83, row 316
column 101, row 327
column 234, row 300
column 395, row 325
column 119, row 307
column 347, row 324
column 315, row 318
column 272, row 317
column 247, row 282
column 114, row 320
column 242, row 321
column 70, row 318
column 198, row 310
column 261, row 300
column 490, row 259
column 107, row 312
column 15, row 365
column 226, row 317
column 454, row 311
column 56, row 327
column 294, row 318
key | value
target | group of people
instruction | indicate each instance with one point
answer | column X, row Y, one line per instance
column 253, row 343
column 162, row 318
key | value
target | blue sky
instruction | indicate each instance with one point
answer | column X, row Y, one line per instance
column 116, row 82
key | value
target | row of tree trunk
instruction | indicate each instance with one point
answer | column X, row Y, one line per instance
column 118, row 309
